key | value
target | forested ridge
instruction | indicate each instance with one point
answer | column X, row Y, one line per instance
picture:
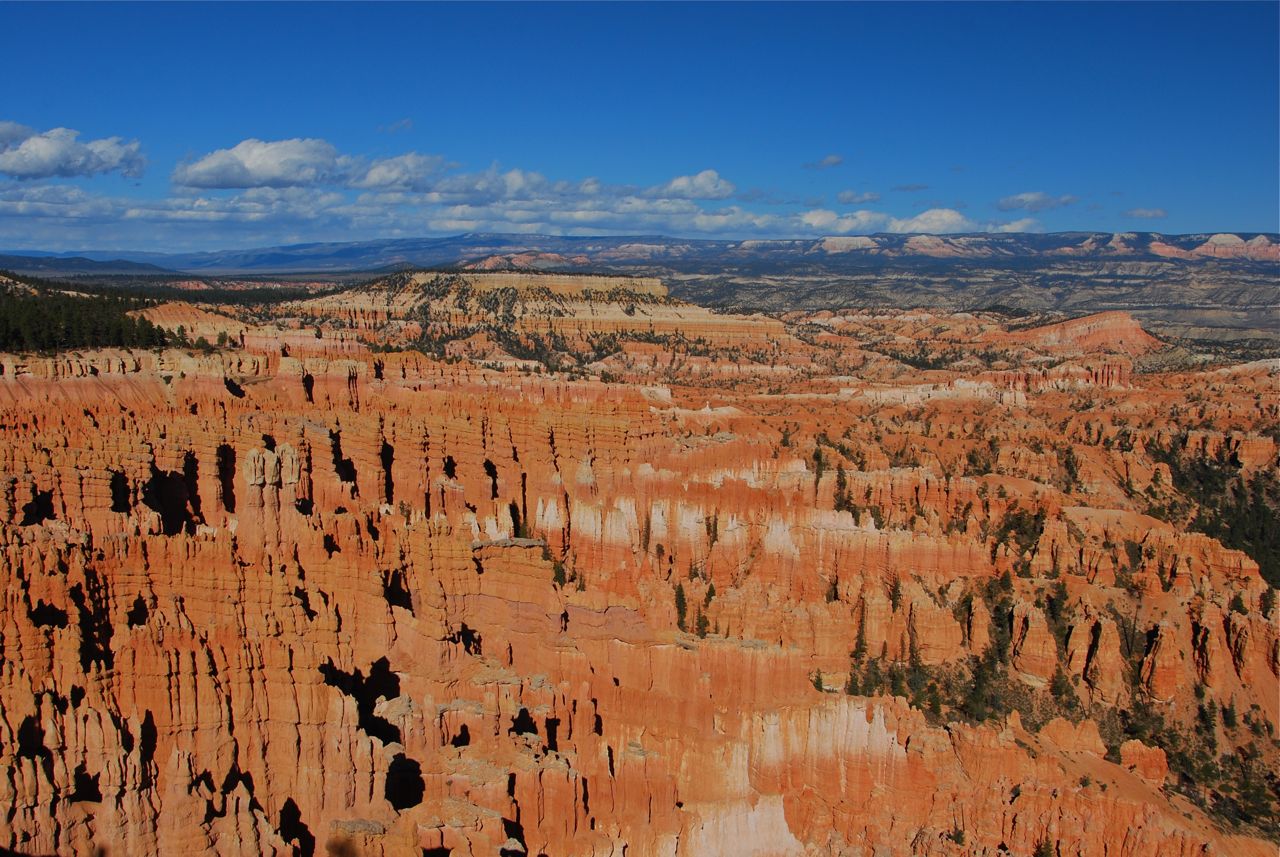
column 43, row 319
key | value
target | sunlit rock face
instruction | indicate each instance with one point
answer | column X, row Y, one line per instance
column 713, row 589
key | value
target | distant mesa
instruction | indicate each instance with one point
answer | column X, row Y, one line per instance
column 526, row 262
column 566, row 285
column 845, row 244
column 485, row 251
column 1259, row 248
column 1104, row 332
column 1206, row 286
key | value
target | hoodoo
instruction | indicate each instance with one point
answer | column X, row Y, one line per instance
column 639, row 576
column 698, row 430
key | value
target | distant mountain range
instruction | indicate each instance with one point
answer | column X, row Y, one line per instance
column 499, row 251
column 51, row 265
column 1220, row 287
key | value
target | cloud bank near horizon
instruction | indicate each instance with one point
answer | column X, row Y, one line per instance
column 306, row 189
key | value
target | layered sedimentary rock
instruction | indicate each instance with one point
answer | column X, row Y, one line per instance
column 338, row 601
column 520, row 309
column 1104, row 332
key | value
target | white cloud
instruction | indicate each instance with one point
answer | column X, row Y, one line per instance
column 29, row 154
column 410, row 171
column 519, row 183
column 56, row 201
column 828, row 222
column 258, row 163
column 705, row 185
column 734, row 219
column 848, row 197
column 1146, row 213
column 825, row 163
column 1026, row 224
column 1034, row 201
column 12, row 132
column 64, row 217
column 259, row 192
column 819, row 218
column 317, row 163
column 935, row 220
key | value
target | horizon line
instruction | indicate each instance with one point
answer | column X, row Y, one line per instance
column 1251, row 233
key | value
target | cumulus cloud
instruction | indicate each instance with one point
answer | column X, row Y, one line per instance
column 265, row 192
column 55, row 201
column 826, row 221
column 705, row 185
column 12, row 133
column 1146, row 213
column 407, row 171
column 309, row 162
column 825, row 163
column 848, row 197
column 935, row 220
column 494, row 185
column 1026, row 224
column 1034, row 201
column 259, row 163
column 411, row 177
column 29, row 154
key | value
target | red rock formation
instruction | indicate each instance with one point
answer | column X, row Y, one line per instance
column 1114, row 332
column 1147, row 762
column 1034, row 651
column 1260, row 248
column 382, row 604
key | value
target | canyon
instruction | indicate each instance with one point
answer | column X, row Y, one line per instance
column 475, row 563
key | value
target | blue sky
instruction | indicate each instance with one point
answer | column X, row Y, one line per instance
column 175, row 127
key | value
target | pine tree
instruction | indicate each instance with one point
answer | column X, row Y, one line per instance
column 681, row 607
column 860, row 643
